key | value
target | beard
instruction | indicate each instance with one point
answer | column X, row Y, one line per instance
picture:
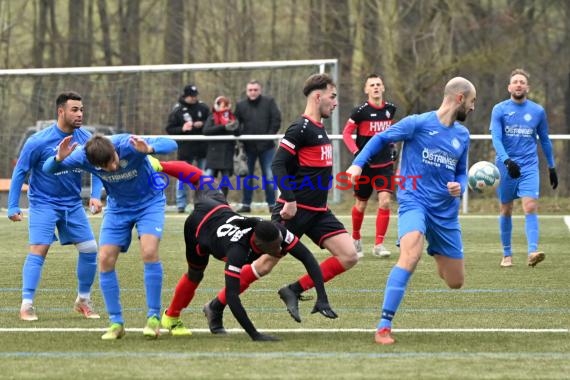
column 461, row 115
column 519, row 97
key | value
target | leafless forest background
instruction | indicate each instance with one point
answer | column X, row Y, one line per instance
column 417, row 45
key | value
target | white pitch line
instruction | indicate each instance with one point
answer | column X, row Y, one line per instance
column 348, row 330
column 567, row 221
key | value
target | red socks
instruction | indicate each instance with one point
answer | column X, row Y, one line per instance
column 247, row 277
column 331, row 268
column 382, row 221
column 357, row 218
column 183, row 294
column 182, row 170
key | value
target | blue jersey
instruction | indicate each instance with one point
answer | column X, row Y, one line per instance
column 514, row 128
column 59, row 190
column 433, row 154
column 131, row 185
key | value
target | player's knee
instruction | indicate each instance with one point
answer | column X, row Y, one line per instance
column 195, row 275
column 87, row 246
column 455, row 283
column 348, row 259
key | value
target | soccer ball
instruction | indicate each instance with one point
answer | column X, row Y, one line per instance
column 483, row 176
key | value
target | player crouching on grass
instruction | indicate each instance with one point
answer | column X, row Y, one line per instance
column 213, row 228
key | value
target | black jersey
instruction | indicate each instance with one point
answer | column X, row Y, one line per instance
column 303, row 165
column 228, row 236
column 369, row 119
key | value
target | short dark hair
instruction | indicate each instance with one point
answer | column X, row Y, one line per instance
column 522, row 72
column 373, row 75
column 317, row 82
column 65, row 96
column 266, row 231
column 99, row 150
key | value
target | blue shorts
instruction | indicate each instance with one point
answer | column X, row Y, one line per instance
column 72, row 225
column 118, row 223
column 527, row 185
column 443, row 235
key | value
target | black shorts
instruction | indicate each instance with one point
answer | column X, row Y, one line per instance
column 317, row 225
column 379, row 179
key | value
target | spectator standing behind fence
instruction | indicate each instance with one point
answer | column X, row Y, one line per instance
column 259, row 115
column 187, row 118
column 220, row 156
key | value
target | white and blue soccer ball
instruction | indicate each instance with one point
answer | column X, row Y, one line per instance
column 483, row 176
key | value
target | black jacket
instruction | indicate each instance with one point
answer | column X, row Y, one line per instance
column 258, row 117
column 188, row 150
column 220, row 153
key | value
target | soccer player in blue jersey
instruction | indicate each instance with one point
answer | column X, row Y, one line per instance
column 55, row 203
column 515, row 125
column 434, row 166
column 122, row 165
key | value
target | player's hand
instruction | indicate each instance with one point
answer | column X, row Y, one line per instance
column 95, row 206
column 17, row 217
column 65, row 148
column 140, row 145
column 553, row 178
column 325, row 309
column 259, row 337
column 454, row 189
column 353, row 172
column 513, row 168
column 288, row 211
column 198, row 124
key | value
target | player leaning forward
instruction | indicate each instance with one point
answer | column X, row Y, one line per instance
column 435, row 153
column 122, row 165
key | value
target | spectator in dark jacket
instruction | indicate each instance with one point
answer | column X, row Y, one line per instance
column 187, row 118
column 220, row 156
column 258, row 115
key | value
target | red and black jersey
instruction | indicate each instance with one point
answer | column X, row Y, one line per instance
column 303, row 165
column 229, row 236
column 369, row 119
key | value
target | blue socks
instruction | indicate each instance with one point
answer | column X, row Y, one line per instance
column 531, row 227
column 31, row 274
column 109, row 283
column 86, row 269
column 393, row 295
column 505, row 230
column 153, row 288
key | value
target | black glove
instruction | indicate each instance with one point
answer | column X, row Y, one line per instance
column 553, row 178
column 513, row 168
column 325, row 309
column 259, row 337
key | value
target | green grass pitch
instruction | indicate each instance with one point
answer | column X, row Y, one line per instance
column 504, row 324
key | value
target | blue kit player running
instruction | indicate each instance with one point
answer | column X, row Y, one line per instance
column 434, row 165
column 122, row 165
column 55, row 203
column 515, row 125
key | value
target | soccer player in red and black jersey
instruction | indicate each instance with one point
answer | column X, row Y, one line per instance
column 303, row 167
column 372, row 117
column 214, row 229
